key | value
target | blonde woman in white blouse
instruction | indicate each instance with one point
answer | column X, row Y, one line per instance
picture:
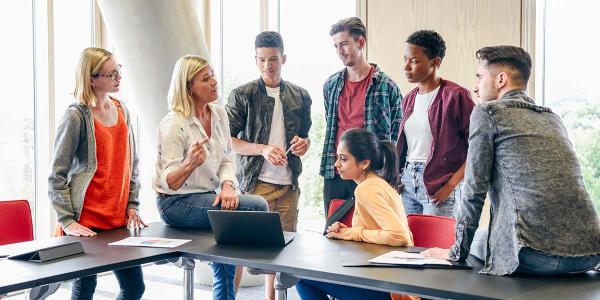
column 195, row 169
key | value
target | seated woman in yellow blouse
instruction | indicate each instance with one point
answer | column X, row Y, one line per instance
column 378, row 215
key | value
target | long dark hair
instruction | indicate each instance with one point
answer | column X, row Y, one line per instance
column 364, row 145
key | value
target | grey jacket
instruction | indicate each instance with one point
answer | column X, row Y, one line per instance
column 250, row 111
column 74, row 163
column 520, row 153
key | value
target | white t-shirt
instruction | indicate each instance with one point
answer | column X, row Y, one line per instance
column 417, row 128
column 270, row 173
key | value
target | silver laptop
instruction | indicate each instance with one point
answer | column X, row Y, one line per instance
column 249, row 228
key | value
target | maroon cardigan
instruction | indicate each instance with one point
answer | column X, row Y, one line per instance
column 449, row 115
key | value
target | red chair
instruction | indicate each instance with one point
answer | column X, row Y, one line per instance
column 334, row 204
column 15, row 227
column 432, row 231
column 15, row 224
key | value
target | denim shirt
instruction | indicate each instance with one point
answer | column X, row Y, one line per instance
column 383, row 113
column 520, row 153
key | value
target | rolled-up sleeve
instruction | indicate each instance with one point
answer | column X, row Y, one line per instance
column 172, row 141
column 227, row 167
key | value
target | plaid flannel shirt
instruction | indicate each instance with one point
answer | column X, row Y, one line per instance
column 383, row 113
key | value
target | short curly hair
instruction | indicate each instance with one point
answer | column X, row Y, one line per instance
column 513, row 57
column 269, row 39
column 431, row 41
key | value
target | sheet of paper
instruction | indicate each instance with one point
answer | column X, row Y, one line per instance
column 405, row 258
column 148, row 241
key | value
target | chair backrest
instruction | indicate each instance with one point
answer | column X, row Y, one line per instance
column 432, row 231
column 15, row 222
column 334, row 204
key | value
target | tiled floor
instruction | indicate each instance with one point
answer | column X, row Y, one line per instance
column 162, row 282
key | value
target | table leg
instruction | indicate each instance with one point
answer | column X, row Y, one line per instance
column 283, row 281
column 188, row 279
column 42, row 292
column 188, row 265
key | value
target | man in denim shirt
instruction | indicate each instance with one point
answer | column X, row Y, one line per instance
column 542, row 219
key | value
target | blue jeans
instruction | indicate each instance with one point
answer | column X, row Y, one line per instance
column 316, row 290
column 191, row 210
column 535, row 262
column 131, row 282
column 415, row 198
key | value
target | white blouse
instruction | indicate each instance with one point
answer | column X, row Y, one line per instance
column 176, row 134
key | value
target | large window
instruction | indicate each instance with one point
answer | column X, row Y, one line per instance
column 17, row 115
column 72, row 34
column 311, row 59
column 569, row 77
column 241, row 24
column 44, row 40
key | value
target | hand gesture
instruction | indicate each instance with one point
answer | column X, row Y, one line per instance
column 76, row 229
column 299, row 145
column 133, row 219
column 274, row 155
column 196, row 153
column 228, row 198
column 335, row 230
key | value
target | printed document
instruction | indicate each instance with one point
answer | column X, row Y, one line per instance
column 148, row 241
column 405, row 258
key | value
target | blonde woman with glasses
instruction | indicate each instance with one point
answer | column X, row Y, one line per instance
column 195, row 169
column 93, row 184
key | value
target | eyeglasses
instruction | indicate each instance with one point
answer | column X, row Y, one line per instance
column 112, row 75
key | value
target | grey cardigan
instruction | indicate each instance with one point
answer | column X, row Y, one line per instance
column 74, row 163
column 521, row 154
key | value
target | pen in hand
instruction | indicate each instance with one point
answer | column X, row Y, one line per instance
column 289, row 149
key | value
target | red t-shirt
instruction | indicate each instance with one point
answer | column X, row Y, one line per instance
column 106, row 198
column 351, row 107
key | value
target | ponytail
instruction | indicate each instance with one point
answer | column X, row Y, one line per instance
column 364, row 145
column 389, row 165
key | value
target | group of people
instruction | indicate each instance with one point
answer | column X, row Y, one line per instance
column 391, row 155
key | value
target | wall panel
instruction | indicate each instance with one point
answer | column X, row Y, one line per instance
column 465, row 25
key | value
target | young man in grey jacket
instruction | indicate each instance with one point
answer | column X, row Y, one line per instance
column 543, row 220
column 269, row 121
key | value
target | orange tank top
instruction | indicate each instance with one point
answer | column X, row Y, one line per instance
column 106, row 198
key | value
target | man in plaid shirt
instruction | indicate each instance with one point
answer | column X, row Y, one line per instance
column 359, row 96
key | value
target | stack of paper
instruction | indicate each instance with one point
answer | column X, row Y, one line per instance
column 149, row 242
column 405, row 258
